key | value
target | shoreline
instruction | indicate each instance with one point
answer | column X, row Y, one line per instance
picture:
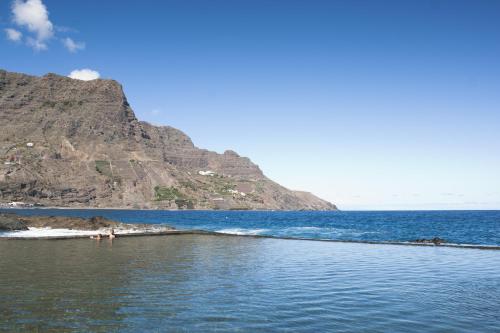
column 167, row 210
column 3, row 208
column 58, row 227
column 220, row 234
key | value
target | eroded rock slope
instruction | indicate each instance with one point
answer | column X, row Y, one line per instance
column 71, row 143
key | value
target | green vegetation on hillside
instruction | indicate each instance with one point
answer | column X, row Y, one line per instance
column 189, row 184
column 173, row 194
column 104, row 168
column 167, row 193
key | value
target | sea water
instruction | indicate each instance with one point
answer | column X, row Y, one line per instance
column 204, row 283
column 459, row 227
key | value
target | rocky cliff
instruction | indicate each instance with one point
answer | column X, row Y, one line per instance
column 72, row 143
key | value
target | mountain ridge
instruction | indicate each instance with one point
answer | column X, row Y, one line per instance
column 73, row 143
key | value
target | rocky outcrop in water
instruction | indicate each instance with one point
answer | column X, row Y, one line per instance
column 435, row 241
column 71, row 143
column 11, row 222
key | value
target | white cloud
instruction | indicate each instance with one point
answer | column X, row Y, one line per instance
column 84, row 74
column 13, row 35
column 33, row 15
column 36, row 44
column 73, row 46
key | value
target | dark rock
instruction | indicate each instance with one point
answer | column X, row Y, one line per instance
column 67, row 222
column 9, row 222
column 12, row 222
column 435, row 241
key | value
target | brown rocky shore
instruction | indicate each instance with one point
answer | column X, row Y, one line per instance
column 10, row 222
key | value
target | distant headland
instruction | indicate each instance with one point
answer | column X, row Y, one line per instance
column 73, row 143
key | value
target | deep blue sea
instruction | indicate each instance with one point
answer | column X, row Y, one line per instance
column 458, row 227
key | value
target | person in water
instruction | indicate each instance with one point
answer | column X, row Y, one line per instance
column 98, row 237
column 111, row 234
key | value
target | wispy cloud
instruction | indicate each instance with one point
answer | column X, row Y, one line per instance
column 60, row 28
column 36, row 44
column 33, row 15
column 13, row 35
column 450, row 194
column 73, row 46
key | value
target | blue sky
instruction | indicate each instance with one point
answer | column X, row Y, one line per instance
column 369, row 104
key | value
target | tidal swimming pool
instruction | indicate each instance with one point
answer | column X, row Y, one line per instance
column 223, row 283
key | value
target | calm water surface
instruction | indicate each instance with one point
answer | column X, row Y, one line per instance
column 196, row 283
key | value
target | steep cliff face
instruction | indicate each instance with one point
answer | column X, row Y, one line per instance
column 66, row 142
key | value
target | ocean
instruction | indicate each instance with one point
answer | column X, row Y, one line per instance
column 457, row 227
column 208, row 283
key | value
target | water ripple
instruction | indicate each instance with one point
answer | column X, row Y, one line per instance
column 209, row 283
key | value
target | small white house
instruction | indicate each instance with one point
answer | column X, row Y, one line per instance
column 30, row 144
column 206, row 173
column 237, row 192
